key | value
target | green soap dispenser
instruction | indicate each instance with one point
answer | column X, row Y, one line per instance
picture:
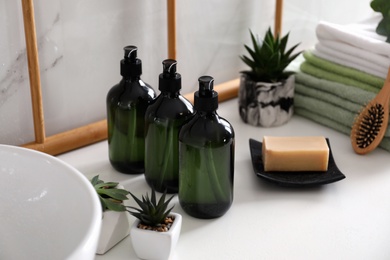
column 206, row 146
column 164, row 118
column 126, row 106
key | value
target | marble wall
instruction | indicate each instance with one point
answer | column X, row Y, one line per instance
column 80, row 45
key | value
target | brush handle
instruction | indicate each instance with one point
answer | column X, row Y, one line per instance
column 383, row 96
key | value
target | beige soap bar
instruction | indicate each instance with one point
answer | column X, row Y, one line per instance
column 308, row 153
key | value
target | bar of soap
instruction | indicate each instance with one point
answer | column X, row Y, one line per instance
column 304, row 153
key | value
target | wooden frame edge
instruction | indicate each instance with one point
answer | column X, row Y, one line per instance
column 171, row 32
column 95, row 132
column 278, row 17
column 33, row 70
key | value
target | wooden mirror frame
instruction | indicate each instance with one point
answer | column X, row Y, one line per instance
column 95, row 132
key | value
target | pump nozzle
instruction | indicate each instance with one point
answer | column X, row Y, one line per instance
column 169, row 80
column 131, row 65
column 169, row 68
column 130, row 53
column 206, row 86
column 206, row 99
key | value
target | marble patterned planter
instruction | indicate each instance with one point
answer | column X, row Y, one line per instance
column 266, row 104
column 155, row 245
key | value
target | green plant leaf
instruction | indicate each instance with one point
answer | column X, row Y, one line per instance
column 255, row 43
column 139, row 202
column 383, row 27
column 248, row 61
column 268, row 58
column 381, row 6
column 151, row 212
column 111, row 205
column 111, row 198
column 116, row 194
column 107, row 185
column 283, row 44
column 95, row 180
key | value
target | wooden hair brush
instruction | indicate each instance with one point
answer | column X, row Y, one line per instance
column 371, row 124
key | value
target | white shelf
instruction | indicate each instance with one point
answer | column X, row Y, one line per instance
column 349, row 219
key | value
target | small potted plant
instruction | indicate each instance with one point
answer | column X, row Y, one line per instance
column 266, row 91
column 156, row 230
column 115, row 224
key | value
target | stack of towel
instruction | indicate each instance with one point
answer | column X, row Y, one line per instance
column 342, row 74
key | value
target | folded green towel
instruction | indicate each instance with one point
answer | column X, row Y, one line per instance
column 353, row 94
column 331, row 104
column 323, row 74
column 325, row 109
column 329, row 99
column 309, row 114
column 322, row 120
column 344, row 71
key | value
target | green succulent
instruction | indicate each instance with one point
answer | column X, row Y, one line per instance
column 110, row 196
column 151, row 212
column 382, row 6
column 268, row 58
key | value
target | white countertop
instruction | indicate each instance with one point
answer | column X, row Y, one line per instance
column 349, row 219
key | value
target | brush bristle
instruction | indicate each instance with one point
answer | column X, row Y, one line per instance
column 369, row 126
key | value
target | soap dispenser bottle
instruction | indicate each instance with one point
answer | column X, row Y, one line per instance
column 206, row 169
column 164, row 118
column 126, row 106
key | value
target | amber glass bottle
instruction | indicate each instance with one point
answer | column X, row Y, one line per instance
column 164, row 118
column 206, row 169
column 126, row 106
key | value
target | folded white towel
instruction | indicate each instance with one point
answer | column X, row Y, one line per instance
column 361, row 35
column 351, row 61
column 352, row 51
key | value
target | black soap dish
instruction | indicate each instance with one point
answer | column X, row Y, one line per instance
column 333, row 174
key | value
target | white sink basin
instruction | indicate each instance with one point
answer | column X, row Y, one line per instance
column 48, row 209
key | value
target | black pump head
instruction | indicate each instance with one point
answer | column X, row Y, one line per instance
column 130, row 53
column 206, row 99
column 169, row 80
column 169, row 68
column 206, row 86
column 131, row 65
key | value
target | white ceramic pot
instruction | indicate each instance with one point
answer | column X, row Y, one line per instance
column 115, row 227
column 153, row 245
column 266, row 104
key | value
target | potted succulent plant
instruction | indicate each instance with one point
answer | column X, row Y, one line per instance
column 266, row 91
column 156, row 230
column 115, row 224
